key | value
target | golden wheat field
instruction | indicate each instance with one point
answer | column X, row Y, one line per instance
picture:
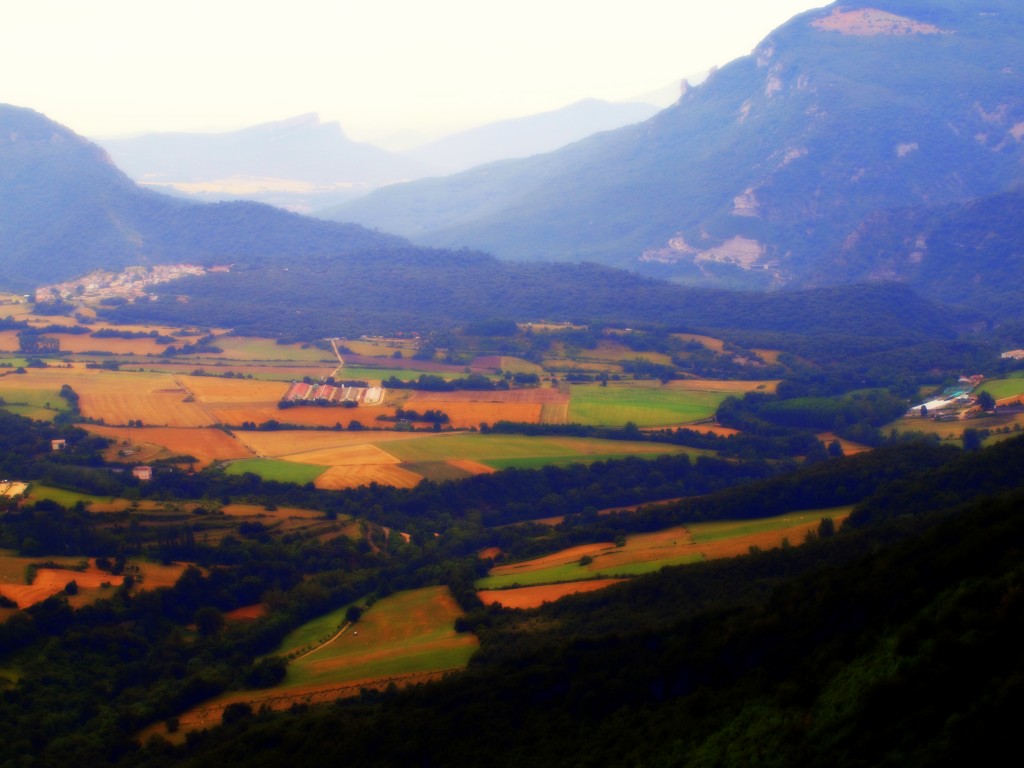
column 338, row 478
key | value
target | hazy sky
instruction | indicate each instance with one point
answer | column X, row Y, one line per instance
column 116, row 67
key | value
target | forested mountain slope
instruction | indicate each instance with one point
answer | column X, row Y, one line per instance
column 760, row 173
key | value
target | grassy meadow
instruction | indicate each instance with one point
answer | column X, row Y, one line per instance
column 645, row 404
column 406, row 633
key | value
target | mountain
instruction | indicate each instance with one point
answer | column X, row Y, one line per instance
column 66, row 209
column 771, row 163
column 290, row 163
column 970, row 253
column 526, row 136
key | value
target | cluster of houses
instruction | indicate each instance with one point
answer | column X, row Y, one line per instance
column 130, row 283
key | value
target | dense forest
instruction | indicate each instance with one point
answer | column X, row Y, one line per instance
column 417, row 289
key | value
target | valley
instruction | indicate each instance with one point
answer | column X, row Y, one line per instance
column 711, row 456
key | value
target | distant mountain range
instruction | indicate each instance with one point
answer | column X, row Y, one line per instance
column 527, row 136
column 304, row 164
column 65, row 209
column 761, row 175
column 298, row 163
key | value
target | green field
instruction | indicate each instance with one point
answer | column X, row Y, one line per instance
column 501, row 451
column 32, row 412
column 727, row 529
column 36, row 398
column 405, row 633
column 647, row 552
column 312, row 633
column 63, row 497
column 436, row 471
column 281, row 471
column 1000, row 388
column 576, row 572
column 645, row 406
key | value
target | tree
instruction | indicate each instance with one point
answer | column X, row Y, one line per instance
column 972, row 439
column 985, row 401
column 209, row 620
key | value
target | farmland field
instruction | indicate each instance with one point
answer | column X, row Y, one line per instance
column 646, row 552
column 271, row 469
column 1004, row 388
column 236, row 414
column 251, row 348
column 533, row 597
column 497, row 450
column 284, row 442
column 341, row 477
column 406, row 633
column 117, row 396
column 404, row 638
column 645, row 406
column 148, row 444
column 368, row 373
column 65, row 498
column 214, row 389
column 953, row 430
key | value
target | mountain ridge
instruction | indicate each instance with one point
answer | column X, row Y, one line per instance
column 68, row 209
column 771, row 162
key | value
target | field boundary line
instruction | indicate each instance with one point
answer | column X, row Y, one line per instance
column 336, row 635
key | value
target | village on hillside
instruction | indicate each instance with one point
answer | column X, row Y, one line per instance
column 129, row 284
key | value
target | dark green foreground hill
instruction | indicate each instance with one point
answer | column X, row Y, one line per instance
column 895, row 642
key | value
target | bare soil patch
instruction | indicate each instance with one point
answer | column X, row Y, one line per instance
column 849, row 447
column 534, row 597
column 868, row 22
column 247, row 612
column 473, row 467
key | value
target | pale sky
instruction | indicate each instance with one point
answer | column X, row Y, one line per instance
column 107, row 68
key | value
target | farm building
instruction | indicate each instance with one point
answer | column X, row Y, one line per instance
column 58, row 444
column 142, row 472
